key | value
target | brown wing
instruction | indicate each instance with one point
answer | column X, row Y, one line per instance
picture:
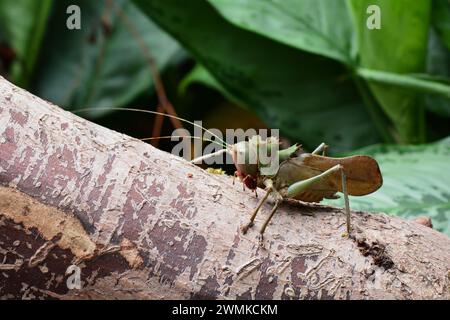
column 363, row 175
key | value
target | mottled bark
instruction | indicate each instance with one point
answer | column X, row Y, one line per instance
column 141, row 223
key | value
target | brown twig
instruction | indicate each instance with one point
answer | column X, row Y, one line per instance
column 164, row 103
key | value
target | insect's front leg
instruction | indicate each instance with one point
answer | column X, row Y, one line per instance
column 234, row 176
column 278, row 201
column 274, row 209
column 255, row 211
column 243, row 181
column 321, row 148
column 269, row 189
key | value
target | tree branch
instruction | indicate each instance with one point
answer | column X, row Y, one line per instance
column 141, row 223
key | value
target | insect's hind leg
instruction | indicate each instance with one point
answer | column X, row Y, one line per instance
column 295, row 188
column 346, row 201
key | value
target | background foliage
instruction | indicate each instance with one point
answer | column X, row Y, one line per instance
column 308, row 67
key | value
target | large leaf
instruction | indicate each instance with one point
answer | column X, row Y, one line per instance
column 424, row 83
column 438, row 64
column 318, row 26
column 201, row 75
column 308, row 97
column 416, row 182
column 441, row 19
column 400, row 46
column 324, row 27
column 103, row 64
column 23, row 24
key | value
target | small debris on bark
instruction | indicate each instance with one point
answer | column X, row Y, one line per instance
column 377, row 251
column 423, row 220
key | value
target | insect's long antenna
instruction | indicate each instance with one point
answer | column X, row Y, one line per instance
column 169, row 137
column 217, row 153
column 152, row 112
column 191, row 137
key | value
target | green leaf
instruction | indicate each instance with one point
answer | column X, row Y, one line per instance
column 438, row 64
column 415, row 182
column 441, row 20
column 317, row 26
column 310, row 98
column 24, row 23
column 419, row 83
column 400, row 46
column 200, row 74
column 103, row 64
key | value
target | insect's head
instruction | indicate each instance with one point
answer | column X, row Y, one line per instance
column 247, row 158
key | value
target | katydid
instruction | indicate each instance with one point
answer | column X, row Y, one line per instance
column 308, row 177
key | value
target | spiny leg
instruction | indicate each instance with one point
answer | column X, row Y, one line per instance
column 255, row 211
column 321, row 148
column 243, row 181
column 263, row 228
column 295, row 188
column 347, row 205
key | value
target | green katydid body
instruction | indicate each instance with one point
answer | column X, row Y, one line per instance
column 363, row 174
column 306, row 176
